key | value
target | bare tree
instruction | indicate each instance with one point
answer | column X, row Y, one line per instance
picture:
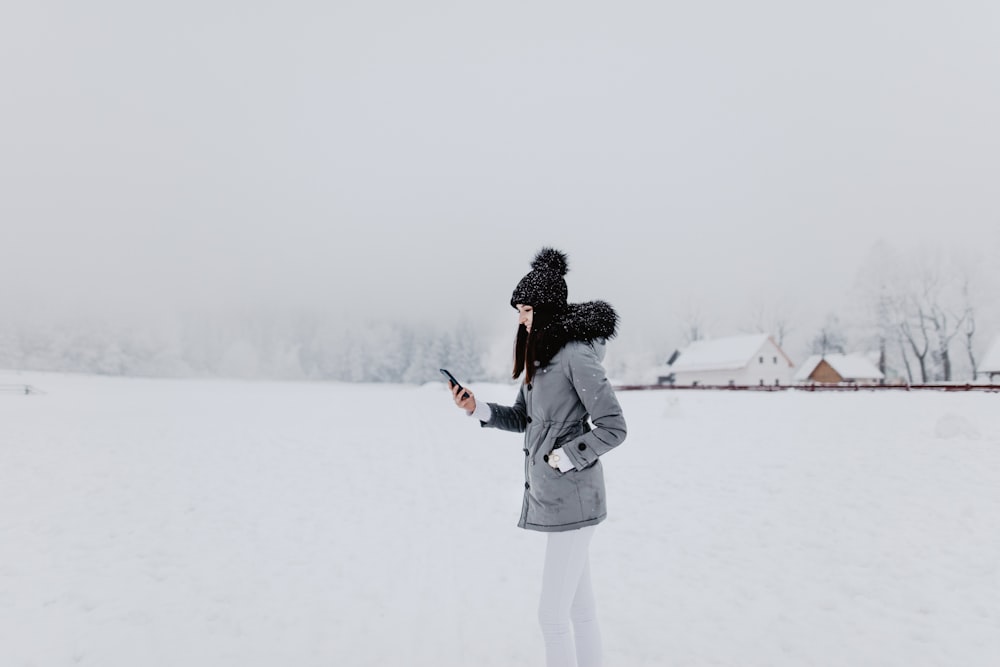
column 946, row 325
column 970, row 331
column 693, row 331
column 693, row 325
column 970, row 322
column 774, row 321
column 913, row 326
column 906, row 358
column 830, row 339
column 883, row 327
column 879, row 288
column 931, row 307
column 946, row 304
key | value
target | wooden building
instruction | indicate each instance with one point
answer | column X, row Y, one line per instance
column 839, row 369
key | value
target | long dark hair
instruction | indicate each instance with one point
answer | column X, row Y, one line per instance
column 533, row 350
column 521, row 356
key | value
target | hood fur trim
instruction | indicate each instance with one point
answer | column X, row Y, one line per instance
column 585, row 322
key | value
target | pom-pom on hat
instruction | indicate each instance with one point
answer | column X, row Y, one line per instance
column 544, row 285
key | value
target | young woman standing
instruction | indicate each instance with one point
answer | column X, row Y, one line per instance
column 570, row 417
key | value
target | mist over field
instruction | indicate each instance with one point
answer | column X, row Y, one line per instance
column 295, row 191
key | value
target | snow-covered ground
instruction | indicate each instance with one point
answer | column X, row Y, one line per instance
column 217, row 523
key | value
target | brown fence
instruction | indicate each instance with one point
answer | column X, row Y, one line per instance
column 991, row 388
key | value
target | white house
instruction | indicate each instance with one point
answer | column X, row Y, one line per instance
column 989, row 367
column 839, row 368
column 738, row 360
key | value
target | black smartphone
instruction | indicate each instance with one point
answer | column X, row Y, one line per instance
column 451, row 379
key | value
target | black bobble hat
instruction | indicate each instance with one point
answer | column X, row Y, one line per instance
column 544, row 285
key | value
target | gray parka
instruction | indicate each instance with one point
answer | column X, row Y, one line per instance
column 569, row 404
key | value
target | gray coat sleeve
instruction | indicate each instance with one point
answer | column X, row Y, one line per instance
column 509, row 418
column 590, row 381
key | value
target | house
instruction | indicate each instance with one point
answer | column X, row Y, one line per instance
column 748, row 360
column 989, row 367
column 839, row 369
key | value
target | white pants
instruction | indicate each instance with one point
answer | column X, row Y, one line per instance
column 568, row 597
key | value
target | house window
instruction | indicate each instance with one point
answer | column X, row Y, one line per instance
column 761, row 359
column 732, row 383
column 777, row 382
column 762, row 382
column 776, row 360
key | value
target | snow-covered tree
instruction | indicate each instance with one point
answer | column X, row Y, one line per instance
column 467, row 351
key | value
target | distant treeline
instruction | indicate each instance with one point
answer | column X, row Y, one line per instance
column 251, row 347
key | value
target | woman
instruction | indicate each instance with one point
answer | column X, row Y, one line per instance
column 569, row 415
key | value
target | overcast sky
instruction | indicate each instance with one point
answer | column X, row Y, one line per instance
column 407, row 159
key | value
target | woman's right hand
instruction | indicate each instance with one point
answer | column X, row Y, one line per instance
column 468, row 403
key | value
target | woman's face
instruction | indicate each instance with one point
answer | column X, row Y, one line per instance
column 525, row 315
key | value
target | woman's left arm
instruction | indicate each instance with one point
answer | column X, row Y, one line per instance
column 590, row 381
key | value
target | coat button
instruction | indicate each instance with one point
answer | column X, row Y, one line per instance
column 526, row 452
column 529, row 420
column 527, row 486
column 529, row 387
column 582, row 446
column 546, row 458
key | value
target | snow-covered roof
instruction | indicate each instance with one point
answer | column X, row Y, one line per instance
column 991, row 362
column 719, row 354
column 848, row 366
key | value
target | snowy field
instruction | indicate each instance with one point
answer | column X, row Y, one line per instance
column 148, row 523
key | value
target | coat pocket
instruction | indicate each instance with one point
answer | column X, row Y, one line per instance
column 569, row 433
column 562, row 437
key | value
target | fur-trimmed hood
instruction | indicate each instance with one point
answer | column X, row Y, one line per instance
column 585, row 322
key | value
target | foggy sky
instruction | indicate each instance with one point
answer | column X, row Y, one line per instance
column 407, row 159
